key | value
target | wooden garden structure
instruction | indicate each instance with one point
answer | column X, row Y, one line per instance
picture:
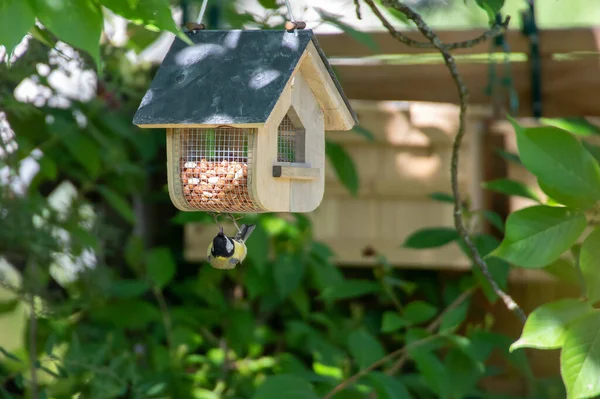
column 409, row 104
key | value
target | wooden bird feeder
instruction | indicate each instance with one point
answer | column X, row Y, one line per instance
column 246, row 114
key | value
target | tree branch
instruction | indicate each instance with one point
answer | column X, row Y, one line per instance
column 357, row 7
column 497, row 29
column 402, row 351
column 432, row 327
column 463, row 96
column 344, row 384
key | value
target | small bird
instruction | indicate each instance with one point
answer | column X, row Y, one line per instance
column 227, row 252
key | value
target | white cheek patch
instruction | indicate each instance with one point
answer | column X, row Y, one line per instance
column 229, row 246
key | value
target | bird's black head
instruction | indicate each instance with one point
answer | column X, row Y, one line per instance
column 222, row 245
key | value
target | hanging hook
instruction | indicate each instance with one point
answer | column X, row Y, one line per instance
column 292, row 19
column 193, row 27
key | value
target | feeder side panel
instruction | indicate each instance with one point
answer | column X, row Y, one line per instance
column 306, row 195
column 272, row 194
column 174, row 172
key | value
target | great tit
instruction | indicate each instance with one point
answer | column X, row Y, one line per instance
column 227, row 252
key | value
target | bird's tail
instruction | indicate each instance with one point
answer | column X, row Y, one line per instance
column 245, row 232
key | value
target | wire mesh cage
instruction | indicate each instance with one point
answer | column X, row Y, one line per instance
column 290, row 141
column 210, row 169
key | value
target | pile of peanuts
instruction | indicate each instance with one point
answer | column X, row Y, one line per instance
column 217, row 185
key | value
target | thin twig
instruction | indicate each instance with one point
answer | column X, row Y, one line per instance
column 432, row 327
column 464, row 95
column 497, row 29
column 357, row 8
column 342, row 385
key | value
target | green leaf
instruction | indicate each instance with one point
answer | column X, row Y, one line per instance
column 343, row 165
column 592, row 149
column 140, row 38
column 366, row 133
column 511, row 187
column 301, row 301
column 491, row 7
column 258, row 248
column 564, row 198
column 135, row 314
column 433, row 371
column 419, row 311
column 546, row 327
column 463, row 373
column 153, row 14
column 559, row 160
column 269, row 4
column 364, row 348
column 431, row 238
column 48, row 167
column 10, row 355
column 442, row 197
column 589, row 262
column 578, row 126
column 538, row 235
column 453, row 318
column 388, row 387
column 285, row 386
column 78, row 23
column 563, row 270
column 494, row 219
column 359, row 36
column 350, row 289
column 160, row 266
column 324, row 274
column 128, row 288
column 580, row 358
column 8, row 306
column 395, row 13
column 391, row 321
column 118, row 202
column 81, row 147
column 288, row 272
column 240, row 330
column 16, row 19
column 407, row 286
column 510, row 157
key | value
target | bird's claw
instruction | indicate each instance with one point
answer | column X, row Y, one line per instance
column 234, row 222
column 215, row 216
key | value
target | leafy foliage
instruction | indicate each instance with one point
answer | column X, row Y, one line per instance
column 139, row 321
column 539, row 236
column 547, row 236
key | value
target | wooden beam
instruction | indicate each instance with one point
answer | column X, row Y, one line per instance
column 337, row 115
column 569, row 88
column 296, row 172
column 551, row 41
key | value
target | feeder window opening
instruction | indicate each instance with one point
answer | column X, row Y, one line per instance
column 291, row 139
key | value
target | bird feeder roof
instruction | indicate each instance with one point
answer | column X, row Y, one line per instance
column 235, row 77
